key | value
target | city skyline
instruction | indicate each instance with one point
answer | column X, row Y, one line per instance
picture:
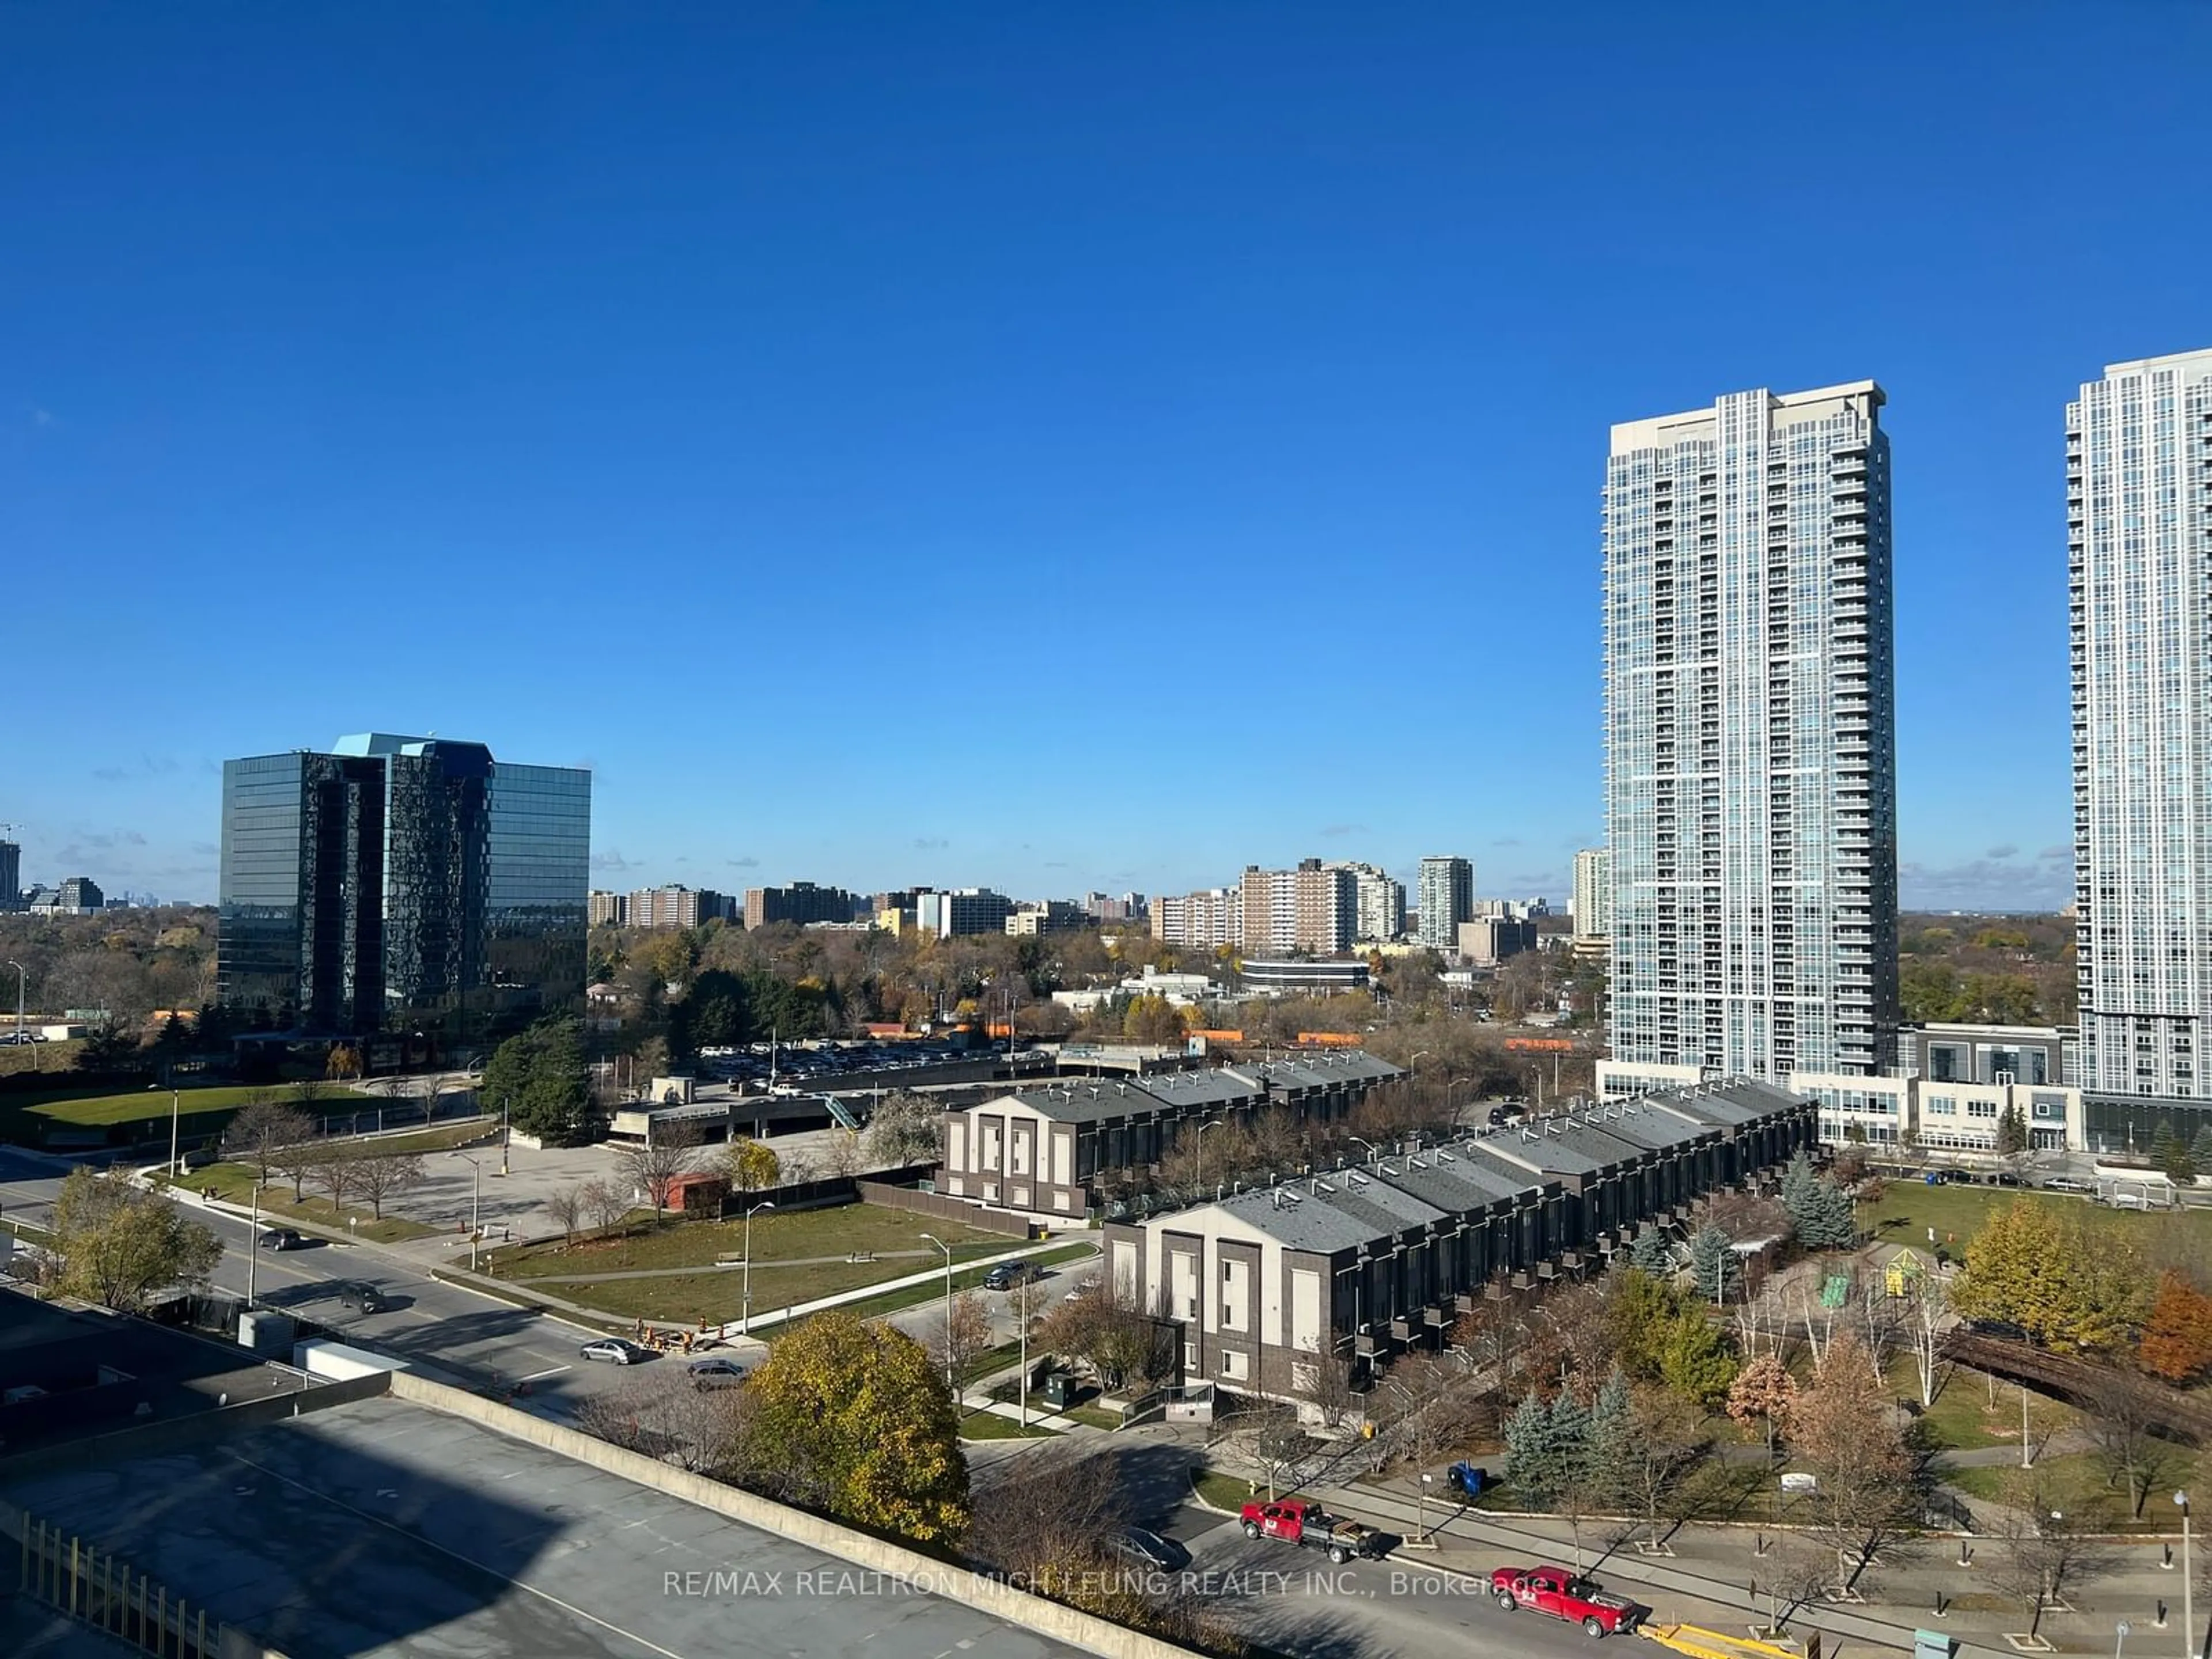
column 795, row 356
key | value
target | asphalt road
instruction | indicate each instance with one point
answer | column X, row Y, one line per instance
column 472, row 1340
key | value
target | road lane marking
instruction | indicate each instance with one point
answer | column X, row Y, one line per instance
column 539, row 1377
column 492, row 1572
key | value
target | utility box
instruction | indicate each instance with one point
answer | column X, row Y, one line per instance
column 1931, row 1644
column 1059, row 1390
column 269, row 1335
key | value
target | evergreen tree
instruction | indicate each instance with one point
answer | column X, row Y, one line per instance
column 1533, row 1463
column 2012, row 1131
column 1608, row 1437
column 1798, row 1181
column 2200, row 1150
column 537, row 1078
column 1829, row 1223
column 1712, row 1259
column 1696, row 1363
column 1653, row 1254
column 2162, row 1143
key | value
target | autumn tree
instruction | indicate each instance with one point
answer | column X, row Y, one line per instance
column 2038, row 1267
column 1763, row 1393
column 662, row 1415
column 856, row 1421
column 2177, row 1337
column 262, row 1128
column 119, row 1243
column 1844, row 1432
column 753, row 1166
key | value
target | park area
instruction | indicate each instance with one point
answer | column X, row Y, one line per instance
column 52, row 1116
column 689, row 1271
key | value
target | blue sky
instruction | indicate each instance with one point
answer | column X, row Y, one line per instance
column 1053, row 446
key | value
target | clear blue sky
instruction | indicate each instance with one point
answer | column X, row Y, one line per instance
column 1049, row 447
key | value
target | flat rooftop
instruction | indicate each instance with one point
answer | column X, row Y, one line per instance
column 381, row 1530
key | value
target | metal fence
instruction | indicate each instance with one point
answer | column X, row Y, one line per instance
column 71, row 1576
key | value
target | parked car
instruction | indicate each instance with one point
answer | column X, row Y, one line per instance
column 707, row 1374
column 1294, row 1521
column 2004, row 1178
column 360, row 1297
column 616, row 1350
column 1148, row 1549
column 1007, row 1274
column 279, row 1238
column 1086, row 1287
column 1563, row 1594
column 2069, row 1184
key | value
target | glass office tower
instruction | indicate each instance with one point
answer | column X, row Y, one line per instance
column 1751, row 793
column 402, row 883
column 2139, row 519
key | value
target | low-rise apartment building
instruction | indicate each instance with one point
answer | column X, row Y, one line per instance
column 1376, row 1257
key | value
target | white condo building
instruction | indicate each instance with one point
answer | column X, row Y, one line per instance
column 2139, row 544
column 1444, row 892
column 1750, row 740
column 1593, row 900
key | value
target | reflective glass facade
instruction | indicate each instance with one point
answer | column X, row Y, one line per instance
column 1750, row 736
column 300, row 928
column 402, row 883
column 2139, row 520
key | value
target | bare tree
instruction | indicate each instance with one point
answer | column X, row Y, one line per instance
column 307, row 1090
column 294, row 1159
column 1667, row 1443
column 1268, row 1440
column 1881, row 1322
column 334, row 1172
column 1793, row 1577
column 906, row 1129
column 963, row 1335
column 664, row 1416
column 843, row 1157
column 2125, row 1426
column 1328, row 1391
column 567, row 1206
column 426, row 1097
column 1928, row 1318
column 1044, row 1514
column 652, row 1165
column 263, row 1128
column 605, row 1203
column 1845, row 1433
column 2043, row 1550
column 380, row 1175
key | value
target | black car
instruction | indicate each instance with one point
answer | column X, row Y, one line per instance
column 280, row 1238
column 1148, row 1549
column 2004, row 1178
column 1007, row 1274
column 360, row 1297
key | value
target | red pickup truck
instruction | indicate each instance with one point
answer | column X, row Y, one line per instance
column 1294, row 1521
column 1563, row 1595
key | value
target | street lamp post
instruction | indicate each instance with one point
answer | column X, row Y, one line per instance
column 21, row 976
column 505, row 1135
column 947, row 1249
column 745, row 1318
column 1369, row 1144
column 1200, row 1138
column 2188, row 1597
column 175, row 1103
column 254, row 1243
column 476, row 1172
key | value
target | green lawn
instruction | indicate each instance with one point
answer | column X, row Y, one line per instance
column 1228, row 1492
column 54, row 1057
column 894, row 1237
column 989, row 1425
column 152, row 1104
column 1967, row 1415
column 966, row 1278
column 1093, row 1417
column 1909, row 1209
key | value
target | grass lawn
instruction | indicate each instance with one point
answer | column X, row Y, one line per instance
column 991, row 1359
column 966, row 1278
column 150, row 1105
column 1909, row 1209
column 894, row 1237
column 989, row 1425
column 1966, row 1416
column 1093, row 1417
column 1227, row 1492
column 54, row 1057
column 235, row 1182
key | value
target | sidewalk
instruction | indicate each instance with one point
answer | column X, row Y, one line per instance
column 1721, row 1564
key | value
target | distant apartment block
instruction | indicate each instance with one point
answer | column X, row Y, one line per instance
column 1102, row 907
column 2139, row 547
column 1314, row 908
column 1289, row 976
column 609, row 909
column 801, row 902
column 1593, row 899
column 1444, row 896
column 1488, row 940
column 963, row 911
column 80, row 896
column 1379, row 903
column 677, row 905
column 1047, row 916
column 1209, row 920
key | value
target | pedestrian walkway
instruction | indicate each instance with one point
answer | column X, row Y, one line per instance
column 1923, row 1585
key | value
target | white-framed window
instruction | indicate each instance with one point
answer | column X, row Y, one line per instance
column 1236, row 1365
